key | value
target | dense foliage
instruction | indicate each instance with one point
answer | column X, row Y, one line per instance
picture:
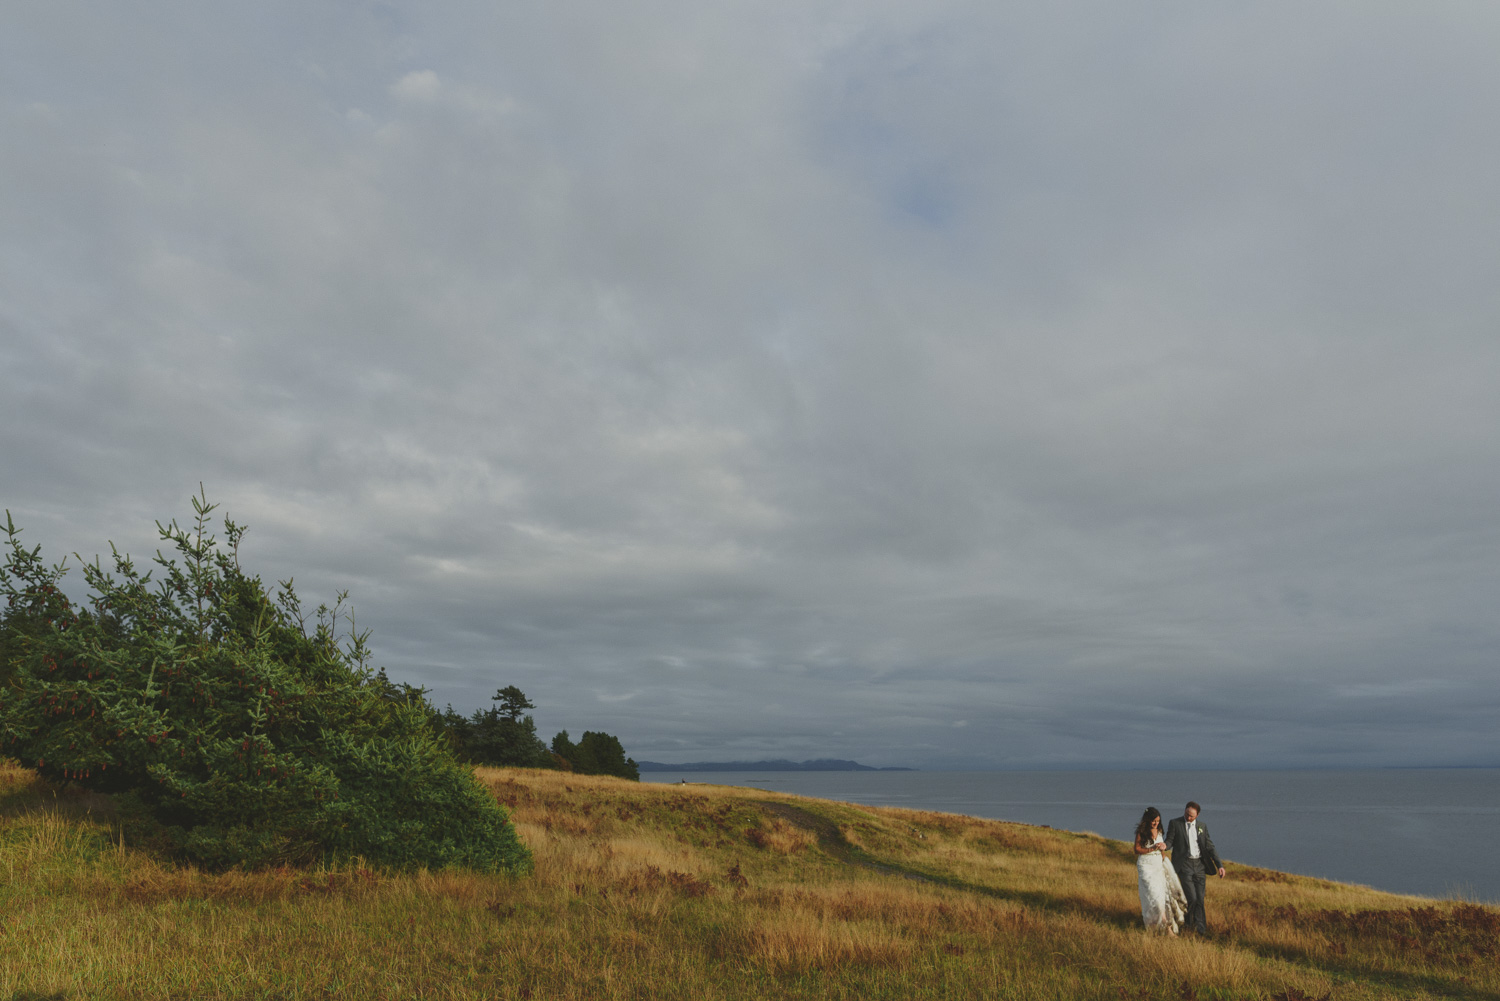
column 595, row 754
column 235, row 733
column 500, row 735
column 504, row 735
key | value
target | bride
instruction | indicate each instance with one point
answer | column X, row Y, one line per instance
column 1162, row 904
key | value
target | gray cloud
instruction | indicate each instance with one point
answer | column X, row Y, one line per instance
column 947, row 387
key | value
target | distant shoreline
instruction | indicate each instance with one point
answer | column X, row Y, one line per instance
column 777, row 765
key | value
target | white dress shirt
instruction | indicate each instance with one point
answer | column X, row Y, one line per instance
column 1192, row 836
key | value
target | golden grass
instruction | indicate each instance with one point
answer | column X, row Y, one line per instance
column 655, row 891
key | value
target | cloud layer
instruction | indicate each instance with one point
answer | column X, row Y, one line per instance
column 953, row 387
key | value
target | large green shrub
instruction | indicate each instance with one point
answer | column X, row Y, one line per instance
column 242, row 735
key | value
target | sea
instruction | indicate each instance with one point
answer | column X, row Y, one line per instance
column 1424, row 832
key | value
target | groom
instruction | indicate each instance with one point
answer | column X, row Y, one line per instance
column 1193, row 857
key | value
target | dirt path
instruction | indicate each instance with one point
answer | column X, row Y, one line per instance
column 832, row 841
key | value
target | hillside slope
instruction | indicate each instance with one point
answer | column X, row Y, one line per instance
column 655, row 891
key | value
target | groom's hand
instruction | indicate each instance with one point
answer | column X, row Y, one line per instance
column 1221, row 872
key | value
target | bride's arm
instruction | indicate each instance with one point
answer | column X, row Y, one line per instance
column 1142, row 849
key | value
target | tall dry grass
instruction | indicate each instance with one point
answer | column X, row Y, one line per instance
column 654, row 891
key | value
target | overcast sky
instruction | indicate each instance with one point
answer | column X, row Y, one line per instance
column 942, row 384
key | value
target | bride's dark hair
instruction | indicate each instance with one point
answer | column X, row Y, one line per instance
column 1143, row 829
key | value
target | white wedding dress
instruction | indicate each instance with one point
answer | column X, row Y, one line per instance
column 1163, row 905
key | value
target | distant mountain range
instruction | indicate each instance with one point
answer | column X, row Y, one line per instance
column 779, row 765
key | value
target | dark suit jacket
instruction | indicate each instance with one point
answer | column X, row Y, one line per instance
column 1178, row 842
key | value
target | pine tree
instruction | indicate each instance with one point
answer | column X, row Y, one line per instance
column 233, row 732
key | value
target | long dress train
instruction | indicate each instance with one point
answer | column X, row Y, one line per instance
column 1163, row 905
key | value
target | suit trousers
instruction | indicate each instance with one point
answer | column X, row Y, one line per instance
column 1194, row 880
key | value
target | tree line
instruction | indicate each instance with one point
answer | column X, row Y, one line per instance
column 505, row 735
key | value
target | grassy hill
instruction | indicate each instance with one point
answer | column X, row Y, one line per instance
column 655, row 891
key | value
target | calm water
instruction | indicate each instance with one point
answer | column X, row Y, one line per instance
column 1433, row 832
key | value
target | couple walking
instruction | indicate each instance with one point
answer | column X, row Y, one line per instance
column 1172, row 889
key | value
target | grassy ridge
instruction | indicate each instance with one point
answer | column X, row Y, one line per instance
column 654, row 891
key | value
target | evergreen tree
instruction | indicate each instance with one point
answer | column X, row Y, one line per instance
column 596, row 754
column 500, row 735
column 239, row 736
